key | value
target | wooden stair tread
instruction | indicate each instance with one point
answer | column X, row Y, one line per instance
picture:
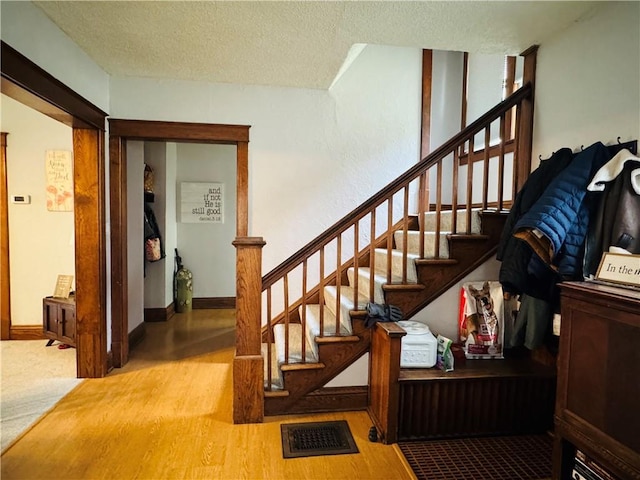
column 471, row 237
column 436, row 261
column 276, row 393
column 337, row 339
column 289, row 367
column 403, row 287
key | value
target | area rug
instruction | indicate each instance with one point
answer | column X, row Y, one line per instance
column 525, row 457
column 317, row 438
column 34, row 379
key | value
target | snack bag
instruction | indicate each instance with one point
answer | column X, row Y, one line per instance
column 444, row 358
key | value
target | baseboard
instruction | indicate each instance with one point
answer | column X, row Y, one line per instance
column 333, row 399
column 159, row 314
column 136, row 335
column 214, row 302
column 26, row 332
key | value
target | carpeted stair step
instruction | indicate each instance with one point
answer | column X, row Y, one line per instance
column 446, row 223
column 276, row 375
column 364, row 277
column 295, row 344
column 346, row 303
column 413, row 243
column 396, row 265
column 329, row 323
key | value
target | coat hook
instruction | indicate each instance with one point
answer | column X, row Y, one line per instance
column 582, row 148
column 540, row 157
column 618, row 139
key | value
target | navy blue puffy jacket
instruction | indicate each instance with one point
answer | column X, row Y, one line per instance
column 562, row 213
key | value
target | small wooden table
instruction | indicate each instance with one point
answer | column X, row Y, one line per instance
column 59, row 319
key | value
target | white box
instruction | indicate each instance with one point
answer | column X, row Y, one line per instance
column 419, row 347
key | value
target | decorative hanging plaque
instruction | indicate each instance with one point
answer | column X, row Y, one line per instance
column 201, row 202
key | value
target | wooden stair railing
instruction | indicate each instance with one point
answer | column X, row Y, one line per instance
column 352, row 241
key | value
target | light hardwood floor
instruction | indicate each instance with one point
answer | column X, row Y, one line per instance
column 168, row 415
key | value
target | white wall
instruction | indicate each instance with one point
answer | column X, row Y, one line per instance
column 313, row 155
column 205, row 248
column 446, row 96
column 171, row 227
column 442, row 314
column 41, row 243
column 588, row 82
column 27, row 29
column 135, row 233
column 160, row 156
column 446, row 112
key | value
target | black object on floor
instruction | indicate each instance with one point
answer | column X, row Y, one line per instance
column 523, row 457
column 317, row 438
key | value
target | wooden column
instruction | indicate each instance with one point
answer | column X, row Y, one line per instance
column 248, row 364
column 427, row 74
column 242, row 187
column 384, row 372
column 5, row 297
column 91, row 320
column 119, row 272
column 525, row 121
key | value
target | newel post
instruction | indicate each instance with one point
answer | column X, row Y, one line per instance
column 248, row 369
column 525, row 122
column 384, row 372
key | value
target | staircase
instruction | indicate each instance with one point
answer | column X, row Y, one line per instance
column 325, row 338
column 302, row 324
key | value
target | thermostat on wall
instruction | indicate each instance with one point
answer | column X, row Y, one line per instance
column 20, row 198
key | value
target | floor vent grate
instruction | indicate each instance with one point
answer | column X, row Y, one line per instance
column 317, row 438
column 524, row 457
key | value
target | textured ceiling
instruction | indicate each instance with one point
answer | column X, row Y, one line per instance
column 292, row 43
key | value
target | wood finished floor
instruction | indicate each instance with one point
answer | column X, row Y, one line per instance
column 168, row 415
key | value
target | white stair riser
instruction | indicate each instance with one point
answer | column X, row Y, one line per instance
column 312, row 321
column 413, row 243
column 397, row 260
column 346, row 303
column 445, row 221
column 295, row 344
column 364, row 277
column 277, row 382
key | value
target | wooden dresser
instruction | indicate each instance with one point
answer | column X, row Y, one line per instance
column 598, row 393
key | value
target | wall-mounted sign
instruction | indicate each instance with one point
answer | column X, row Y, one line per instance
column 59, row 188
column 621, row 269
column 201, row 202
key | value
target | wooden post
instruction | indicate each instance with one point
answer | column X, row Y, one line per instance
column 384, row 372
column 5, row 297
column 248, row 364
column 525, row 122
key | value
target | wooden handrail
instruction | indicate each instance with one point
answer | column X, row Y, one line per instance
column 385, row 193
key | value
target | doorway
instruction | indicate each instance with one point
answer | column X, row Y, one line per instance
column 29, row 84
column 122, row 131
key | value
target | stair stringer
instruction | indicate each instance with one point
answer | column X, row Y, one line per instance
column 334, row 354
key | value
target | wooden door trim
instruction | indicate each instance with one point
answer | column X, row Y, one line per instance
column 29, row 84
column 119, row 132
column 5, row 289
